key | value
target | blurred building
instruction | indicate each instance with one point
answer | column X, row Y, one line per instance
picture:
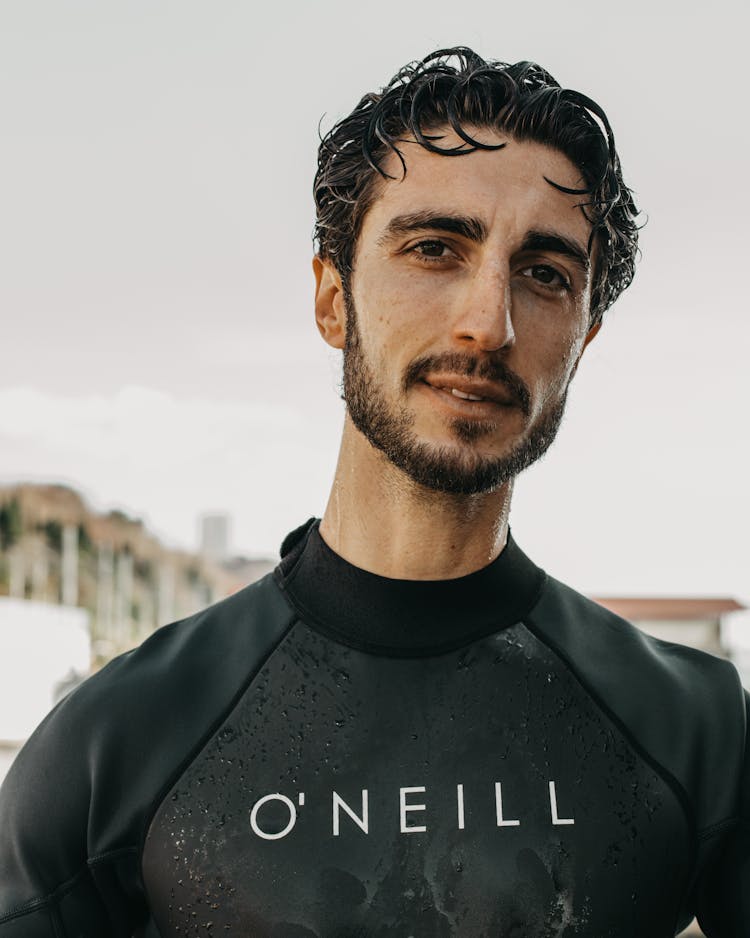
column 57, row 640
column 698, row 622
column 214, row 537
column 78, row 587
column 55, row 549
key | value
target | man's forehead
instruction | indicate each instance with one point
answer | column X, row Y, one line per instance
column 514, row 181
column 496, row 143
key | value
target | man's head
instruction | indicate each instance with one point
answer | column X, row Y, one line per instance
column 459, row 89
column 473, row 226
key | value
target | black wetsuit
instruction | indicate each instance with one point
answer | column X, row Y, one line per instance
column 331, row 753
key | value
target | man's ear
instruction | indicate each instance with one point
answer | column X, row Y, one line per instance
column 591, row 333
column 589, row 336
column 330, row 309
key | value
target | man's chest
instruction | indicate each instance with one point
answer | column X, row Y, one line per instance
column 471, row 794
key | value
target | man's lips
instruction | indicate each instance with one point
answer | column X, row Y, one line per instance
column 473, row 390
column 461, row 378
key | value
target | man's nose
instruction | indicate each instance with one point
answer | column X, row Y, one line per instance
column 485, row 319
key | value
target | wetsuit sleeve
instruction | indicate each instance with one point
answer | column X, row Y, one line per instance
column 47, row 888
column 723, row 907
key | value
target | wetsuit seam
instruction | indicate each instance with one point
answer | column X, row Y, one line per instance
column 48, row 901
column 719, row 828
column 57, row 922
column 316, row 624
column 202, row 741
column 673, row 783
column 110, row 855
column 660, row 769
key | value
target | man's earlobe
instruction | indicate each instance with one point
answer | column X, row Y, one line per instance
column 330, row 309
column 592, row 332
column 589, row 336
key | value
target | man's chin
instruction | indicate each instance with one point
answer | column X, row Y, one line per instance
column 452, row 468
column 481, row 435
column 469, row 457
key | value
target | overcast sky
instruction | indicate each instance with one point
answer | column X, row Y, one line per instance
column 158, row 349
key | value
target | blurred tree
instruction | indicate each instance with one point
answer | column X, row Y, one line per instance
column 53, row 531
column 11, row 523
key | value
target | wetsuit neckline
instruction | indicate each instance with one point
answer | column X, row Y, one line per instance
column 403, row 617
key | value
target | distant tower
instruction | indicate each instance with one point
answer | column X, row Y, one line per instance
column 215, row 537
column 70, row 565
column 105, row 592
column 123, row 604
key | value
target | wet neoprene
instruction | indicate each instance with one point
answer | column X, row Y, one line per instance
column 335, row 754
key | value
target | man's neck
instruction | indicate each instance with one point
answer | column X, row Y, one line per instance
column 381, row 521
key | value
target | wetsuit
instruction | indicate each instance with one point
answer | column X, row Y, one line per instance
column 331, row 753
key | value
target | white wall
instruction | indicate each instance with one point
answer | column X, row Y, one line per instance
column 40, row 645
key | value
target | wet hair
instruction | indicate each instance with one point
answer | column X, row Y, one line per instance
column 457, row 88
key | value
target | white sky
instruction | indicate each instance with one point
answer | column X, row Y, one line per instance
column 158, row 348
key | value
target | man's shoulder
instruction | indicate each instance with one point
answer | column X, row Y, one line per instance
column 574, row 622
column 682, row 707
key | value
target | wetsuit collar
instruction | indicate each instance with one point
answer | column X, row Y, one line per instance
column 403, row 617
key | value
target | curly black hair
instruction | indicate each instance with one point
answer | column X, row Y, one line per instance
column 523, row 100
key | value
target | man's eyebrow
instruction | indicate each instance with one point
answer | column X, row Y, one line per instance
column 467, row 226
column 559, row 244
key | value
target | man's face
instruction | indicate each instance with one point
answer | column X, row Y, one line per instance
column 467, row 314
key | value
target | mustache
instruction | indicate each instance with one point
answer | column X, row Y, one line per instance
column 469, row 366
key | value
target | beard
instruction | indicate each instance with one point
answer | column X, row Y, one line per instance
column 455, row 470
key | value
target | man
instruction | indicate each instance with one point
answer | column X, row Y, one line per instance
column 410, row 729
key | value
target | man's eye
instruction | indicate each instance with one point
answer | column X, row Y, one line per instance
column 546, row 275
column 431, row 249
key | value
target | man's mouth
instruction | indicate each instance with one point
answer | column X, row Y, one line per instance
column 475, row 385
column 465, row 397
column 467, row 389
